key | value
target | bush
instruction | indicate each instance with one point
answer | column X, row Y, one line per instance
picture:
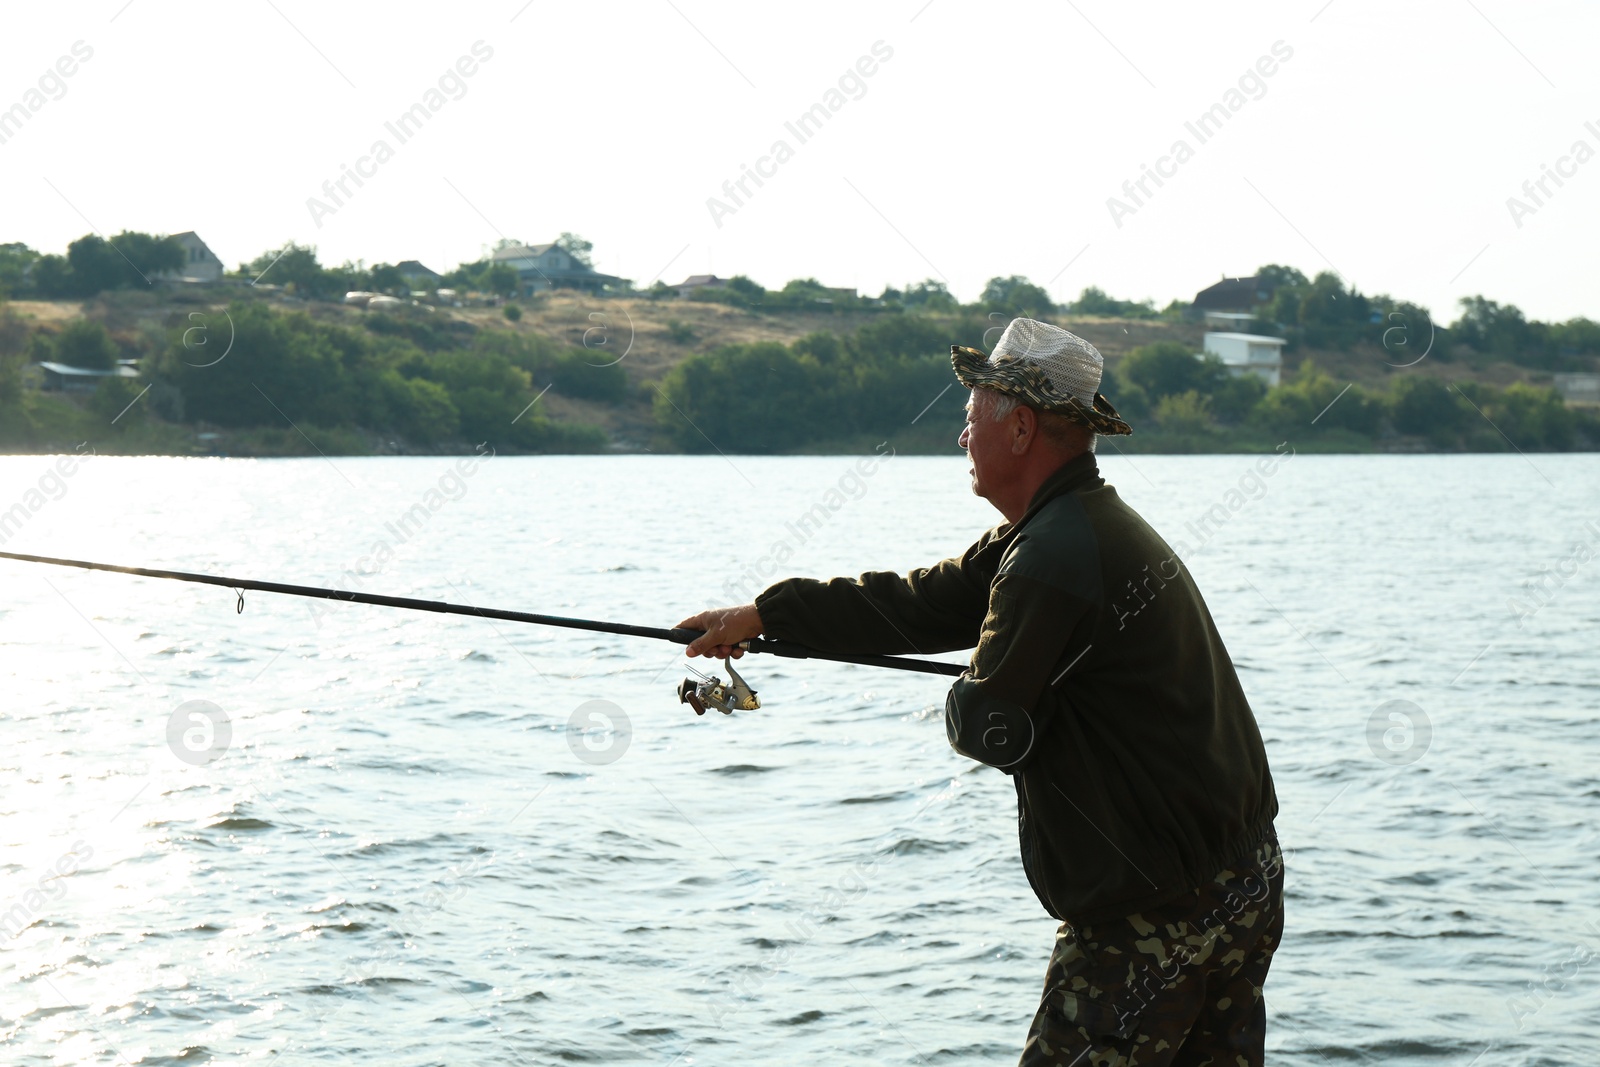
column 825, row 387
column 420, row 328
column 584, row 373
column 1234, row 399
column 1532, row 417
column 1167, row 368
column 739, row 292
column 758, row 397
column 420, row 409
column 512, row 312
column 111, row 399
column 1184, row 413
column 13, row 355
column 1313, row 401
column 83, row 343
column 1426, row 406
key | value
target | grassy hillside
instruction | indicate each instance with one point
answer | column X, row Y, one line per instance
column 654, row 344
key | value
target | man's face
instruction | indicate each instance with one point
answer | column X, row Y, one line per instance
column 988, row 445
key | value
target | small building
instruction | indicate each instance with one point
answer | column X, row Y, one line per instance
column 1233, row 294
column 1579, row 388
column 65, row 378
column 419, row 277
column 200, row 264
column 1248, row 353
column 700, row 281
column 544, row 267
column 1237, row 321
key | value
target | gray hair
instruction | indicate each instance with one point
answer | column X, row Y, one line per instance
column 1000, row 405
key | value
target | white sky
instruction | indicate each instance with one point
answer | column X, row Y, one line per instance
column 988, row 144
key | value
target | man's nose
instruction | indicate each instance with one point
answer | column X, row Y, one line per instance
column 962, row 440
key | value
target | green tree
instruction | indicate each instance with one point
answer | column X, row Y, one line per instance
column 573, row 370
column 1274, row 276
column 821, row 347
column 15, row 259
column 930, row 294
column 295, row 267
column 1330, row 313
column 386, row 278
column 13, row 355
column 500, row 278
column 93, row 266
column 488, row 391
column 1234, row 398
column 110, row 402
column 744, row 398
column 420, row 409
column 1094, row 301
column 1532, row 417
column 1311, row 401
column 464, row 276
column 1578, row 336
column 1167, row 368
column 1015, row 295
column 739, row 292
column 83, row 343
column 148, row 255
column 1427, row 406
column 803, row 293
column 281, row 369
column 129, row 260
column 1502, row 330
column 825, row 387
column 1187, row 413
column 52, row 277
column 577, row 248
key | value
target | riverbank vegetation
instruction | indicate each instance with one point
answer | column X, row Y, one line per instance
column 289, row 369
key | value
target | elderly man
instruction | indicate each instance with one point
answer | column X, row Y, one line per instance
column 1100, row 685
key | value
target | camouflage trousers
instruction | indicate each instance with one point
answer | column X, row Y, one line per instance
column 1174, row 986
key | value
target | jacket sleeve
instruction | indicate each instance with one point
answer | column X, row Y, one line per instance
column 931, row 609
column 995, row 712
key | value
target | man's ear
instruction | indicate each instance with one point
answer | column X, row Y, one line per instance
column 1025, row 430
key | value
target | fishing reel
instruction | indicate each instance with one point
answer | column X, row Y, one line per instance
column 711, row 692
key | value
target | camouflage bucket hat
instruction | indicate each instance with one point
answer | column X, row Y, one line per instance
column 1047, row 368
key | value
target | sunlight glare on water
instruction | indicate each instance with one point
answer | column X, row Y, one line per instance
column 413, row 849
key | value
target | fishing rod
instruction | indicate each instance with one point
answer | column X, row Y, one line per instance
column 708, row 692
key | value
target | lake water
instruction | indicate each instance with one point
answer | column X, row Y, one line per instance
column 424, row 845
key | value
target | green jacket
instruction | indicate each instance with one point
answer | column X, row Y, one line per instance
column 1098, row 682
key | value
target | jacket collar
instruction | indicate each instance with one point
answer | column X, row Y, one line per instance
column 1080, row 472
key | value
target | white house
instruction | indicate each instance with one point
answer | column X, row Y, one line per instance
column 1228, row 320
column 541, row 267
column 1579, row 388
column 1248, row 353
column 200, row 264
